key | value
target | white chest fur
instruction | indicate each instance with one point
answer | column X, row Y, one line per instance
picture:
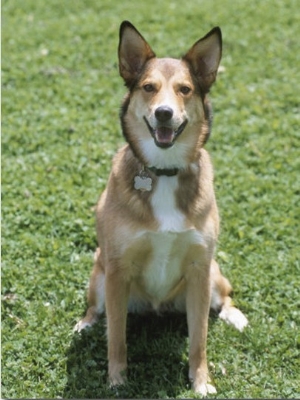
column 169, row 244
column 164, row 270
column 164, row 205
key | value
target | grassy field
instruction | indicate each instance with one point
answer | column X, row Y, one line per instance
column 60, row 102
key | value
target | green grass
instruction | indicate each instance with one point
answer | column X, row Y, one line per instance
column 60, row 100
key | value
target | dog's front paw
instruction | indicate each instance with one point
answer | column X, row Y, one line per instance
column 204, row 389
column 117, row 379
column 201, row 382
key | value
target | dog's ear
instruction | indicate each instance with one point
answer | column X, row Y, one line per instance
column 204, row 57
column 134, row 52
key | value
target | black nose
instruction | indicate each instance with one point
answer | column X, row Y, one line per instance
column 163, row 113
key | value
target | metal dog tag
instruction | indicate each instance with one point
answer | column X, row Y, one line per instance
column 143, row 182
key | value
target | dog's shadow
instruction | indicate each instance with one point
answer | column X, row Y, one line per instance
column 157, row 359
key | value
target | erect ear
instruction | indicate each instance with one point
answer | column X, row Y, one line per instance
column 134, row 52
column 204, row 57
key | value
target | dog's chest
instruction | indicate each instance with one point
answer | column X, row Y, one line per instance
column 164, row 207
column 169, row 245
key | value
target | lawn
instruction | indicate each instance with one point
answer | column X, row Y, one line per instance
column 60, row 102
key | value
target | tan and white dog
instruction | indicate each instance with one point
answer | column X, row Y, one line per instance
column 157, row 220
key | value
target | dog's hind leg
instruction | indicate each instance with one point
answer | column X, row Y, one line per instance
column 96, row 295
column 222, row 302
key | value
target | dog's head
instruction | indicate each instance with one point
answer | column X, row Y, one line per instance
column 167, row 105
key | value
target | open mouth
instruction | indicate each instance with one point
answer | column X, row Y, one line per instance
column 165, row 136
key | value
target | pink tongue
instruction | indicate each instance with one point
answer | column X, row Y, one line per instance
column 164, row 134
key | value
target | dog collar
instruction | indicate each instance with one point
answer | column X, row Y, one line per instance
column 143, row 182
column 164, row 171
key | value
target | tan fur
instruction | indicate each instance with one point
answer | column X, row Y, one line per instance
column 156, row 247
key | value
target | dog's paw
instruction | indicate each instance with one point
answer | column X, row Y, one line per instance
column 117, row 379
column 204, row 389
column 92, row 316
column 235, row 317
column 202, row 383
column 81, row 325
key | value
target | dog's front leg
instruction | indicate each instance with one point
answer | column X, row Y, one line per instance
column 197, row 304
column 117, row 289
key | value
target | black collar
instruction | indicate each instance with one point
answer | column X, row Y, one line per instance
column 163, row 172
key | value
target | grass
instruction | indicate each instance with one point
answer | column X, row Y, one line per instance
column 60, row 100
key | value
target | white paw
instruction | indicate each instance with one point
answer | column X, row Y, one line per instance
column 117, row 379
column 116, row 382
column 205, row 388
column 81, row 325
column 234, row 317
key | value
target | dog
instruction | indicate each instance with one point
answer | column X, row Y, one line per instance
column 157, row 220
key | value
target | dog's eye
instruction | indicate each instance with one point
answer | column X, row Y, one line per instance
column 148, row 88
column 185, row 89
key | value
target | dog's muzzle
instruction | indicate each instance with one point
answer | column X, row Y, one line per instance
column 164, row 135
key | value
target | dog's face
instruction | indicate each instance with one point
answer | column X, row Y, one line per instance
column 165, row 101
column 166, row 113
